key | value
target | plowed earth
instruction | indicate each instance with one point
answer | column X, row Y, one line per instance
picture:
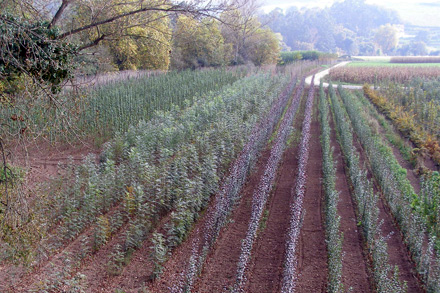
column 266, row 267
column 265, row 272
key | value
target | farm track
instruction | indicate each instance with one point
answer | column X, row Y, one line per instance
column 397, row 250
column 354, row 262
column 265, row 270
column 312, row 252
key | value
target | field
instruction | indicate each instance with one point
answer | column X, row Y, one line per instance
column 234, row 181
column 389, row 64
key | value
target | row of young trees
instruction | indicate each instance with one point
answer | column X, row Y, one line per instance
column 290, row 272
column 386, row 278
column 398, row 193
column 265, row 185
column 230, row 189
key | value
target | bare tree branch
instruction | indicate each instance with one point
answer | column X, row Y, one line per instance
column 167, row 8
column 92, row 44
column 59, row 13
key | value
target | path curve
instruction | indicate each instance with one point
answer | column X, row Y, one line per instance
column 323, row 73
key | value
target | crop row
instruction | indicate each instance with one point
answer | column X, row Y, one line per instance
column 288, row 282
column 367, row 205
column 412, row 113
column 398, row 193
column 334, row 236
column 170, row 164
column 261, row 193
column 375, row 74
column 114, row 106
column 229, row 191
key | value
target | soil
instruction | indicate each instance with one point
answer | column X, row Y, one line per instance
column 312, row 252
column 43, row 160
column 397, row 250
column 177, row 264
column 221, row 265
column 219, row 272
column 135, row 275
column 266, row 267
column 354, row 266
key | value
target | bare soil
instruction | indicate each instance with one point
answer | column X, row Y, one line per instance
column 266, row 267
column 397, row 250
column 354, row 262
column 221, row 265
column 312, row 254
column 43, row 160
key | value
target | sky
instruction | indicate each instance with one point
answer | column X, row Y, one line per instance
column 424, row 13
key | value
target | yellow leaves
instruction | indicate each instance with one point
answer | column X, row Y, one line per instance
column 129, row 201
column 130, row 189
column 104, row 226
column 198, row 43
column 405, row 121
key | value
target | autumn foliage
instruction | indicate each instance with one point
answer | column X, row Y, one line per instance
column 405, row 123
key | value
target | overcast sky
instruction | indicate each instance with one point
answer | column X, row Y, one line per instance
column 425, row 12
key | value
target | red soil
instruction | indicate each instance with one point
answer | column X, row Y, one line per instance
column 397, row 250
column 312, row 254
column 42, row 159
column 221, row 265
column 266, row 267
column 354, row 266
column 136, row 274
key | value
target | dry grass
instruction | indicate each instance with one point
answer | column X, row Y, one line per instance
column 416, row 59
column 374, row 75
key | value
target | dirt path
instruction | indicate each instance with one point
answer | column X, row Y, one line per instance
column 265, row 270
column 354, row 267
column 312, row 254
column 324, row 73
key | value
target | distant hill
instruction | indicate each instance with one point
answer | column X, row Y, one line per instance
column 424, row 13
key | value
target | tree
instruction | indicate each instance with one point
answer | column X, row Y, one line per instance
column 239, row 24
column 264, row 47
column 38, row 40
column 88, row 23
column 423, row 36
column 32, row 48
column 199, row 44
column 386, row 38
column 414, row 48
column 362, row 18
column 143, row 47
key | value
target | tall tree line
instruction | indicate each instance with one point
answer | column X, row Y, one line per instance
column 345, row 27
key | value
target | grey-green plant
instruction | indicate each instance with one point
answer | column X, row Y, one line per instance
column 386, row 277
column 334, row 236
